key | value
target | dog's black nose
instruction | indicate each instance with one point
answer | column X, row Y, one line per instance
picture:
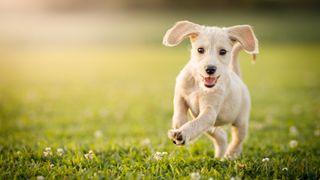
column 211, row 69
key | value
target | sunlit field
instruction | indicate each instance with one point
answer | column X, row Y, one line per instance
column 104, row 111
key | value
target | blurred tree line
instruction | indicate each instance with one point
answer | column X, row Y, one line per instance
column 220, row 4
column 201, row 5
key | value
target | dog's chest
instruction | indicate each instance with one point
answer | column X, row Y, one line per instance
column 227, row 111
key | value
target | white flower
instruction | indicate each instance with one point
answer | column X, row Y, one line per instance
column 40, row 178
column 293, row 131
column 257, row 125
column 297, row 109
column 32, row 95
column 51, row 165
column 265, row 159
column 195, row 176
column 98, row 134
column 159, row 155
column 60, row 151
column 285, row 169
column 140, row 176
column 103, row 112
column 89, row 155
column 269, row 118
column 88, row 113
column 47, row 151
column 293, row 143
column 235, row 178
column 317, row 132
column 146, row 142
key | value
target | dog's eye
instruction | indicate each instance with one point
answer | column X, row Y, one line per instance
column 222, row 52
column 201, row 50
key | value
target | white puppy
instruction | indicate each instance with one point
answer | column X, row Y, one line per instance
column 210, row 85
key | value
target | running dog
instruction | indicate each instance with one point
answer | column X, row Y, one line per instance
column 210, row 85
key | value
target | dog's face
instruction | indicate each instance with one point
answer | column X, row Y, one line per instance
column 210, row 55
column 211, row 51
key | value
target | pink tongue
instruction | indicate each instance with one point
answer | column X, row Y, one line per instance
column 209, row 80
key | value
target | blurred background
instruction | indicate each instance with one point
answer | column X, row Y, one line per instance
column 80, row 75
column 75, row 23
column 72, row 68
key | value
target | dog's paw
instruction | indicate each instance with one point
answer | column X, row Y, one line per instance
column 229, row 157
column 232, row 155
column 177, row 137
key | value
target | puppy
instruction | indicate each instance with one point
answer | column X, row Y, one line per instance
column 210, row 85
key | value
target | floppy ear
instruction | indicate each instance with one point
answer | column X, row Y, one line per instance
column 245, row 36
column 179, row 31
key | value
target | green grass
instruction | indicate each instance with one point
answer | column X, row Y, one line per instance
column 61, row 99
column 117, row 101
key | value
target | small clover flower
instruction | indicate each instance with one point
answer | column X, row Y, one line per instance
column 98, row 134
column 235, row 178
column 293, row 143
column 47, row 151
column 159, row 155
column 146, row 142
column 293, row 131
column 195, row 176
column 103, row 112
column 89, row 155
column 297, row 109
column 60, row 152
column 265, row 159
column 240, row 165
column 40, row 178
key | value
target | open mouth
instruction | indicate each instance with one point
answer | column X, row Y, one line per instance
column 210, row 81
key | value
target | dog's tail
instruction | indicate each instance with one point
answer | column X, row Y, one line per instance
column 234, row 64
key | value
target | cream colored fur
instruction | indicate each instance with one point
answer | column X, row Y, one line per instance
column 227, row 102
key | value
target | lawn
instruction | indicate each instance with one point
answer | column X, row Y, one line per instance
column 104, row 112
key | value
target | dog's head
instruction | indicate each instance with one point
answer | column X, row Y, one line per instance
column 212, row 47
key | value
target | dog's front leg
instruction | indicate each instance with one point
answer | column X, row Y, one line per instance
column 194, row 128
column 180, row 114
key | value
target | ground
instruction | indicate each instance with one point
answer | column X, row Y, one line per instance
column 105, row 112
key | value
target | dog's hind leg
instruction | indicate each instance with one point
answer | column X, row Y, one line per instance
column 220, row 140
column 239, row 131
